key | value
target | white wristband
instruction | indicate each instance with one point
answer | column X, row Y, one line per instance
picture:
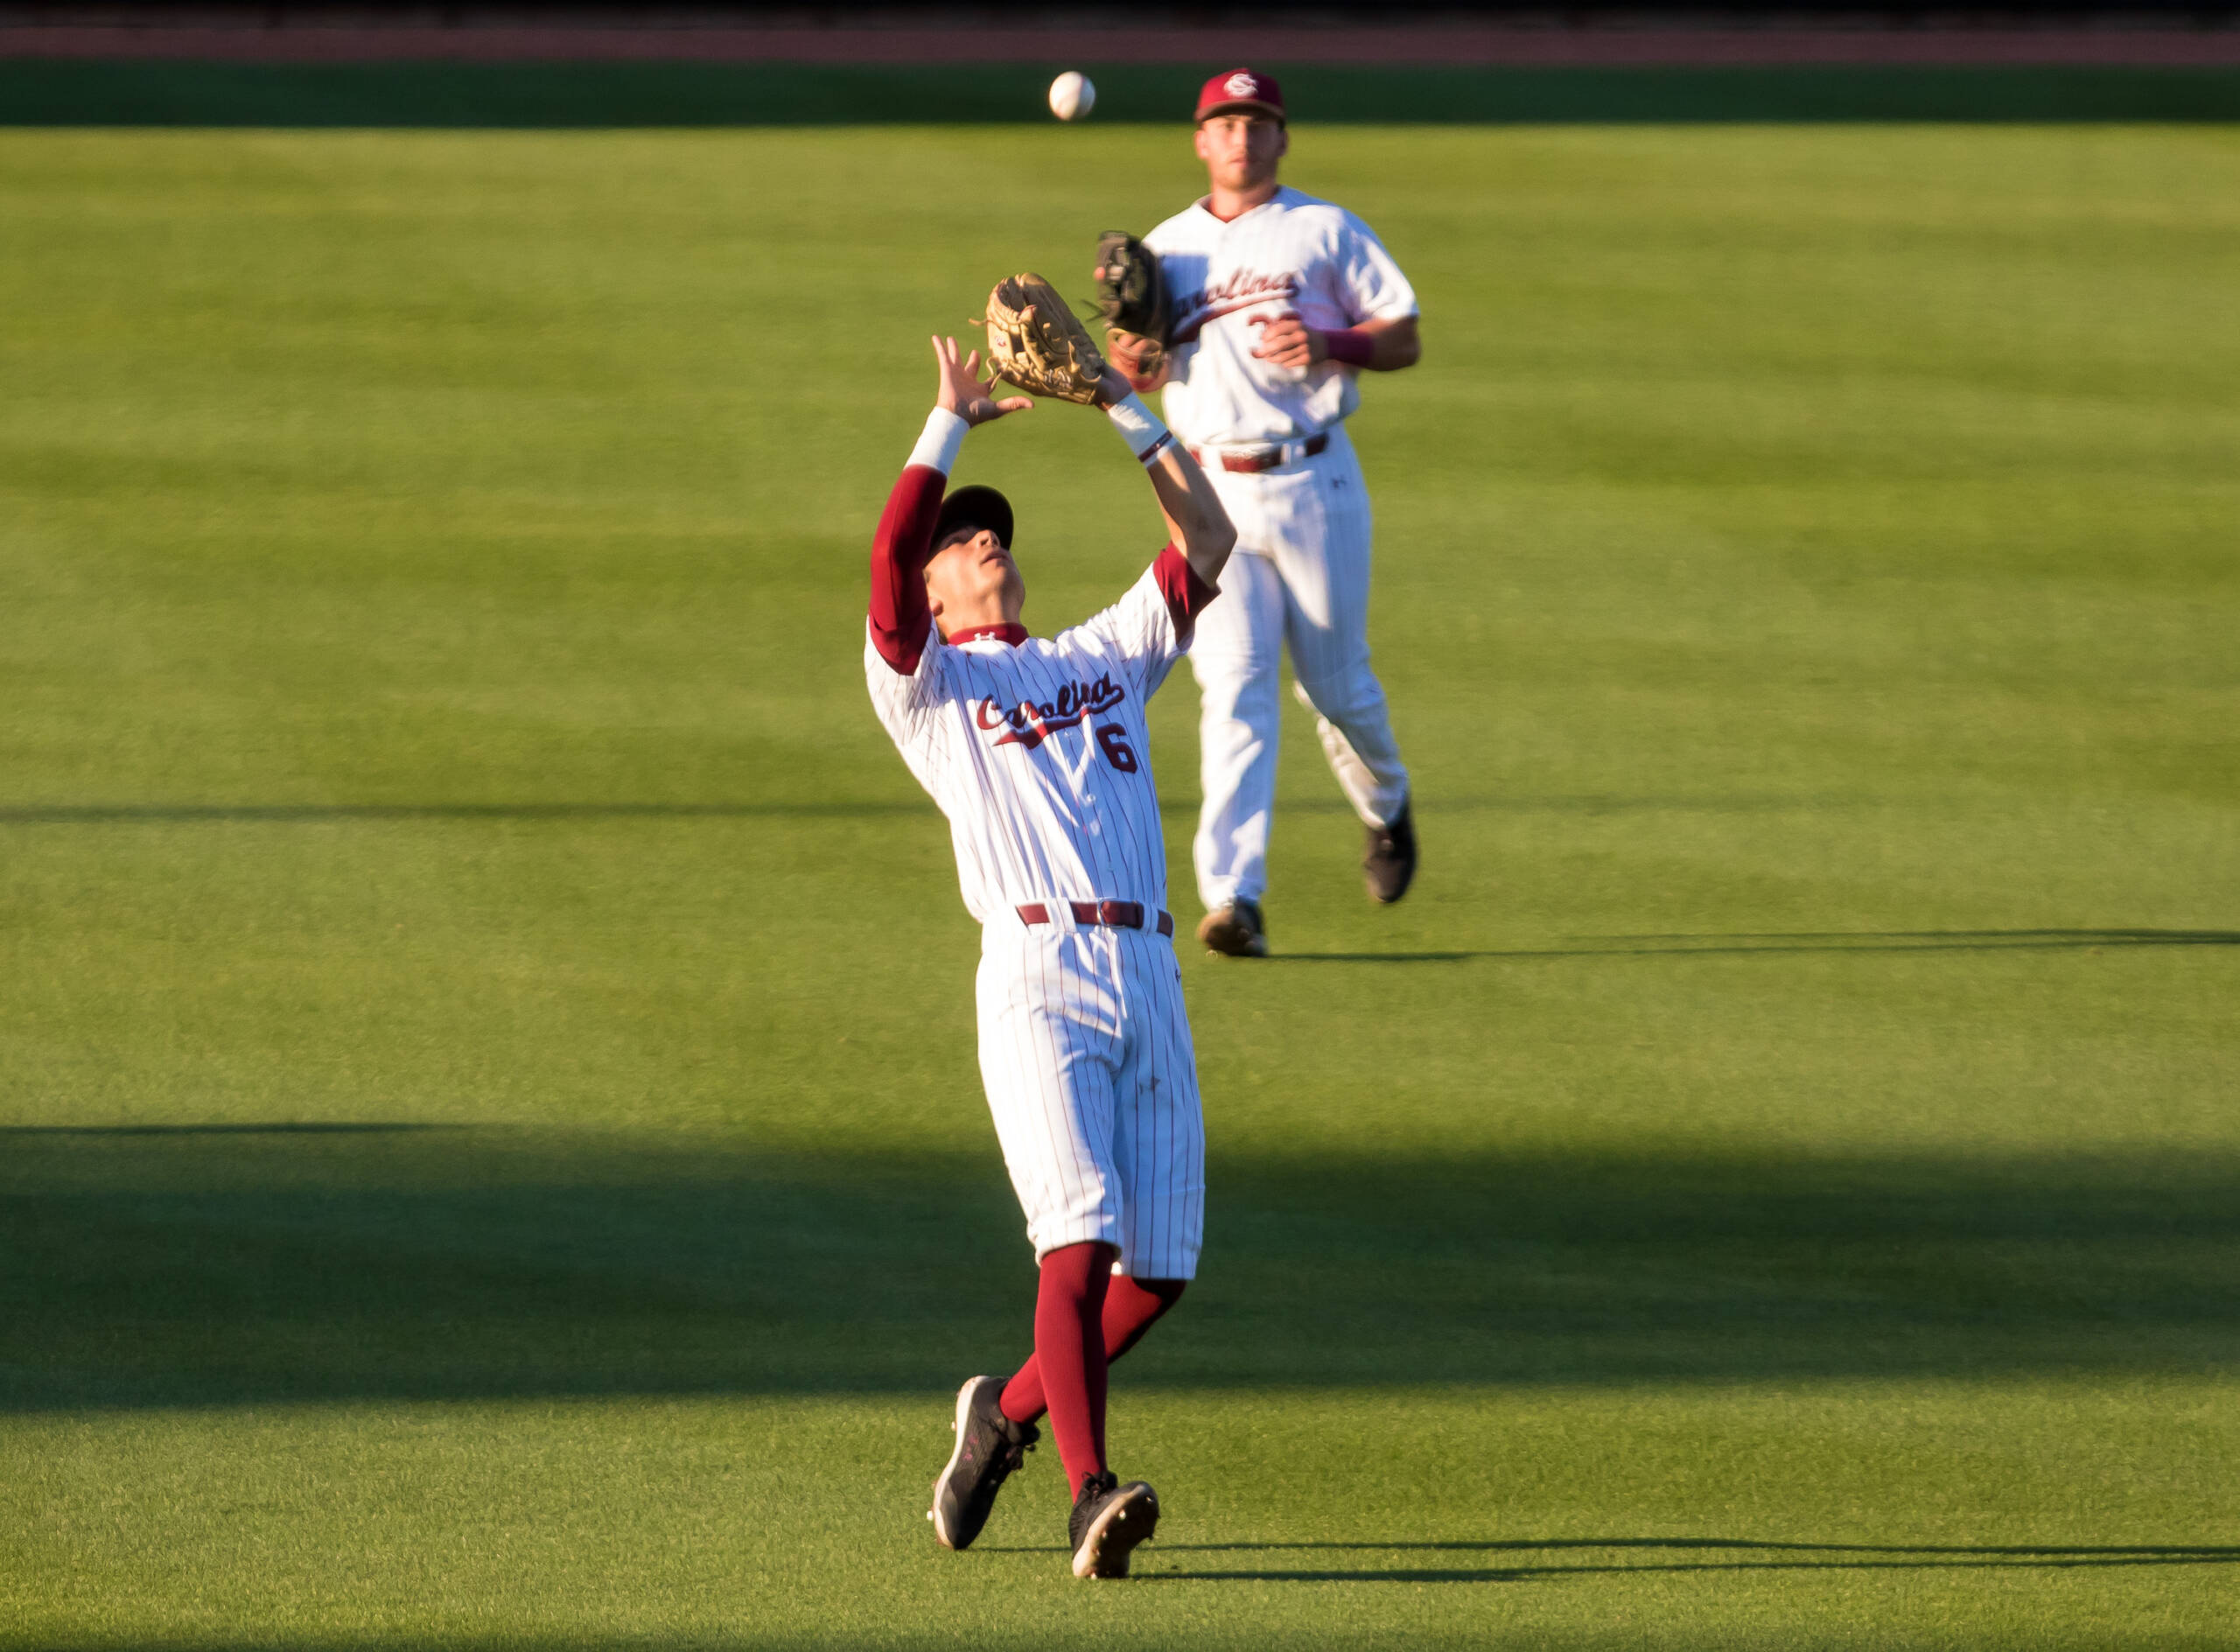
column 942, row 441
column 1139, row 427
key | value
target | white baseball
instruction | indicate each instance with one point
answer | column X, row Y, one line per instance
column 1073, row 95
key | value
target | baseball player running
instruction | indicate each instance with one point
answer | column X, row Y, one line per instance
column 1037, row 751
column 1279, row 301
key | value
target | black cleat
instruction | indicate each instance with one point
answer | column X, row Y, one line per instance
column 1234, row 931
column 1389, row 863
column 1109, row 1520
column 989, row 1446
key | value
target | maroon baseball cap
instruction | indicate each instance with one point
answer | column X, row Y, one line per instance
column 1240, row 89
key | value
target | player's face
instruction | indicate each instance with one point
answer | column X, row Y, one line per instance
column 971, row 578
column 1240, row 150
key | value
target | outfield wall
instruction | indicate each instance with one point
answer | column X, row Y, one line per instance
column 131, row 91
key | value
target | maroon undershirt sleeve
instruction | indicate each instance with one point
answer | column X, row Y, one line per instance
column 1351, row 345
column 900, row 549
column 1187, row 594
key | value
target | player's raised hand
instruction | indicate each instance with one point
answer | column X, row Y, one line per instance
column 964, row 393
column 1285, row 341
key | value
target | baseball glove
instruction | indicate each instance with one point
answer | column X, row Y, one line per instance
column 1131, row 296
column 1034, row 341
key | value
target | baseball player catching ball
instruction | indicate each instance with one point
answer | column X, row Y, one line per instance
column 1037, row 751
column 1278, row 303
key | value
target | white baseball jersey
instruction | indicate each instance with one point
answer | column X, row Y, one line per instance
column 1038, row 752
column 1036, row 748
column 1290, row 255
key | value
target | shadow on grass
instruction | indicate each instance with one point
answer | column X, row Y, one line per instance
column 1780, row 1556
column 171, row 1265
column 1862, row 941
column 317, row 814
column 122, row 814
column 217, row 1130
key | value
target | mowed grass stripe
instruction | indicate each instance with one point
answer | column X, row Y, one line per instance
column 1856, row 1517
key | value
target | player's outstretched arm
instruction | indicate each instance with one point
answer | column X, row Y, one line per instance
column 898, row 612
column 1196, row 524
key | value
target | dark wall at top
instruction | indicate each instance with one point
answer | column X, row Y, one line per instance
column 141, row 92
column 1156, row 13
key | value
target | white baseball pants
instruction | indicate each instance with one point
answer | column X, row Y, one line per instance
column 1301, row 577
column 1085, row 1051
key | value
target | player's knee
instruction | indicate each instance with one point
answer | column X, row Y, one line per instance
column 1071, row 1268
column 1342, row 699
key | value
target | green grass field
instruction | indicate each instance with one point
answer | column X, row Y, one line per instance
column 492, row 1154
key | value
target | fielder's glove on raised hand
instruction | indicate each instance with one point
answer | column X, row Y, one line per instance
column 1034, row 342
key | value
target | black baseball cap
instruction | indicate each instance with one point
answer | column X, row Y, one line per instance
column 975, row 507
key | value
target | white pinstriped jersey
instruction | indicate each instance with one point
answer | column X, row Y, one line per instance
column 1292, row 254
column 1038, row 752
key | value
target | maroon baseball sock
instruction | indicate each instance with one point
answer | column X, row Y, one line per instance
column 1069, row 1355
column 1130, row 1306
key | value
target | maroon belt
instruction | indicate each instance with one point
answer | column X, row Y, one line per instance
column 1110, row 914
column 1266, row 459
